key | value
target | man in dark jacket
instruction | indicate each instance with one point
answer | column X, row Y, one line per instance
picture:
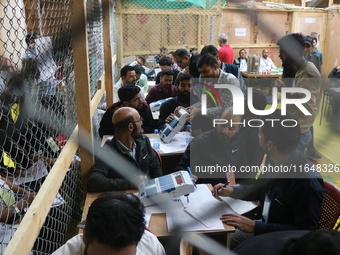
column 216, row 148
column 128, row 154
column 289, row 189
column 129, row 96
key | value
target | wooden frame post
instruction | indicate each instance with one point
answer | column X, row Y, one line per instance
column 107, row 53
column 82, row 84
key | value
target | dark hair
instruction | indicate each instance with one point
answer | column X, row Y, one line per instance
column 29, row 36
column 192, row 49
column 207, row 59
column 286, row 139
column 184, row 77
column 209, row 49
column 259, row 99
column 127, row 92
column 318, row 242
column 167, row 71
column 181, row 53
column 115, row 220
column 139, row 69
column 241, row 50
column 292, row 43
column 143, row 59
column 165, row 61
column 125, row 70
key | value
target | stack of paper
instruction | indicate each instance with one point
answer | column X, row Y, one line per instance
column 200, row 211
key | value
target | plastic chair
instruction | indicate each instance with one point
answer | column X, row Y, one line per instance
column 330, row 207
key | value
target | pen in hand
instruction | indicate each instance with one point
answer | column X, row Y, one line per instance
column 224, row 185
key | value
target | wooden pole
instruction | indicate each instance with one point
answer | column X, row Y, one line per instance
column 107, row 53
column 23, row 239
column 82, row 83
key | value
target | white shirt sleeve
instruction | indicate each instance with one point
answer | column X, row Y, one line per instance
column 74, row 246
column 149, row 244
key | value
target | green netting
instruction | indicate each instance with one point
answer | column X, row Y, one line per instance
column 175, row 4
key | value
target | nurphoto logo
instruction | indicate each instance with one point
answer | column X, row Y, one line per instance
column 238, row 104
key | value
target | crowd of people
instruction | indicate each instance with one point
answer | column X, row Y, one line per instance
column 287, row 202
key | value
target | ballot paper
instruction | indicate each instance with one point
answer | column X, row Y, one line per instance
column 178, row 219
column 37, row 171
column 177, row 144
column 204, row 207
column 207, row 210
column 239, row 206
column 149, row 210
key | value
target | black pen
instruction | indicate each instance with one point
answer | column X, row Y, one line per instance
column 224, row 185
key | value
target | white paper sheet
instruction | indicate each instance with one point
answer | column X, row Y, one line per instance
column 239, row 206
column 149, row 210
column 177, row 144
column 177, row 217
column 37, row 171
column 204, row 207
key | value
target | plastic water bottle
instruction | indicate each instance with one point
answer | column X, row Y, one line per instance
column 188, row 134
column 156, row 144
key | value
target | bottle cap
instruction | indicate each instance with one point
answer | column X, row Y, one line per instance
column 156, row 131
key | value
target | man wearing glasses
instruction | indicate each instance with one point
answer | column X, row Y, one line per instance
column 129, row 153
column 186, row 62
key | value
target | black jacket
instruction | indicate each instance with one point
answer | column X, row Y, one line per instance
column 334, row 77
column 295, row 196
column 105, row 177
column 106, row 126
column 210, row 150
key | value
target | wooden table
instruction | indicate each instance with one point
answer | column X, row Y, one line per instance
column 253, row 75
column 158, row 224
column 260, row 80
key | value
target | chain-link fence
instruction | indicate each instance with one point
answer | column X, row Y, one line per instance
column 38, row 111
column 148, row 26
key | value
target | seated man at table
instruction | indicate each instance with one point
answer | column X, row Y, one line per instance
column 266, row 63
column 164, row 89
column 241, row 61
column 114, row 225
column 167, row 110
column 225, row 67
column 217, row 147
column 291, row 200
column 166, row 63
column 129, row 153
column 129, row 96
column 211, row 74
column 186, row 62
column 127, row 76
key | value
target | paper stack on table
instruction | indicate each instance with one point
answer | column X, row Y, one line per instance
column 202, row 212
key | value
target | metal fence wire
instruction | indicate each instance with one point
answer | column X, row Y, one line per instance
column 148, row 26
column 38, row 111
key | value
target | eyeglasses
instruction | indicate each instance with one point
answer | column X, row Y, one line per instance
column 140, row 120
